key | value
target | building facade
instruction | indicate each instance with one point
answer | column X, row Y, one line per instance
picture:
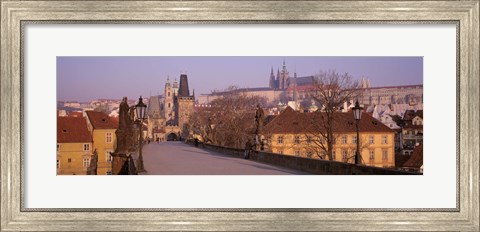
column 412, row 130
column 299, row 134
column 74, row 147
column 102, row 127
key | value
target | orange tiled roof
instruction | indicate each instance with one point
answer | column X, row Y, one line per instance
column 100, row 120
column 72, row 130
column 416, row 160
column 75, row 114
column 294, row 122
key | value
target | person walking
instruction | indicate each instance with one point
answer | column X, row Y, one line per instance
column 248, row 148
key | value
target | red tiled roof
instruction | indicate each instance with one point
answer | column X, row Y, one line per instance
column 294, row 122
column 100, row 120
column 411, row 114
column 72, row 130
column 416, row 160
column 75, row 114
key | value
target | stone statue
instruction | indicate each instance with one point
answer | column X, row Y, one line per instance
column 131, row 119
column 124, row 118
column 259, row 117
column 124, row 131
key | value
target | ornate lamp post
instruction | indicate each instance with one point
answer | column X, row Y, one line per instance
column 141, row 109
column 357, row 114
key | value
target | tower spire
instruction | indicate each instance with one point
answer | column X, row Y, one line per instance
column 271, row 82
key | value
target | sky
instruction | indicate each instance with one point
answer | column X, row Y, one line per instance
column 87, row 78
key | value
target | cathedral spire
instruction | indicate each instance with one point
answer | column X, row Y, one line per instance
column 271, row 82
column 167, row 84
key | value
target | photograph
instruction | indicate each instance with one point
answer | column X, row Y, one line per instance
column 239, row 115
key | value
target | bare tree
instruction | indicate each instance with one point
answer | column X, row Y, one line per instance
column 331, row 90
column 229, row 121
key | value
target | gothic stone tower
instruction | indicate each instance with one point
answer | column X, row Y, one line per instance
column 168, row 101
column 184, row 102
column 272, row 82
column 283, row 79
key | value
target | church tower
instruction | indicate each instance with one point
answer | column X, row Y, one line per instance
column 272, row 80
column 277, row 81
column 284, row 77
column 168, row 100
column 184, row 103
column 175, row 87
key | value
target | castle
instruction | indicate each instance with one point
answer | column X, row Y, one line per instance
column 168, row 114
column 284, row 88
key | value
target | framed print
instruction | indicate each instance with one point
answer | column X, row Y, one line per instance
column 52, row 50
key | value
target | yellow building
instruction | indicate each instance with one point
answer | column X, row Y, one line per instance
column 102, row 127
column 303, row 134
column 74, row 147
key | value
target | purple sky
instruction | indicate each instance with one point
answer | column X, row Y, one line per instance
column 87, row 78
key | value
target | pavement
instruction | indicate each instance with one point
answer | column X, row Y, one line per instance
column 178, row 158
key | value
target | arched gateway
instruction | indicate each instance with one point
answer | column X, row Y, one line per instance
column 172, row 137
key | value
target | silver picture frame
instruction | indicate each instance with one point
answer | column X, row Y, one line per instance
column 16, row 14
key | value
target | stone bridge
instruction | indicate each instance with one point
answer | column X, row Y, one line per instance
column 179, row 158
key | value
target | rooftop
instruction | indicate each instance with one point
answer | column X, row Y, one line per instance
column 72, row 130
column 294, row 122
column 416, row 160
column 100, row 120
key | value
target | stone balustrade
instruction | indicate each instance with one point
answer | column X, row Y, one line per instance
column 313, row 166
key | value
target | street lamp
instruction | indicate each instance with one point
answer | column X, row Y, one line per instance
column 357, row 114
column 141, row 108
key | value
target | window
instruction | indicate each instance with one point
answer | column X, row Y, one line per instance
column 309, row 139
column 169, row 94
column 354, row 139
column 384, row 139
column 280, row 152
column 109, row 137
column 108, row 172
column 297, row 153
column 168, row 105
column 108, row 157
column 371, row 139
column 344, row 139
column 344, row 154
column 86, row 147
column 58, row 164
column 86, row 162
column 309, row 154
column 58, row 147
column 69, row 160
column 372, row 155
column 324, row 154
column 297, row 139
column 385, row 155
column 280, row 140
column 334, row 156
